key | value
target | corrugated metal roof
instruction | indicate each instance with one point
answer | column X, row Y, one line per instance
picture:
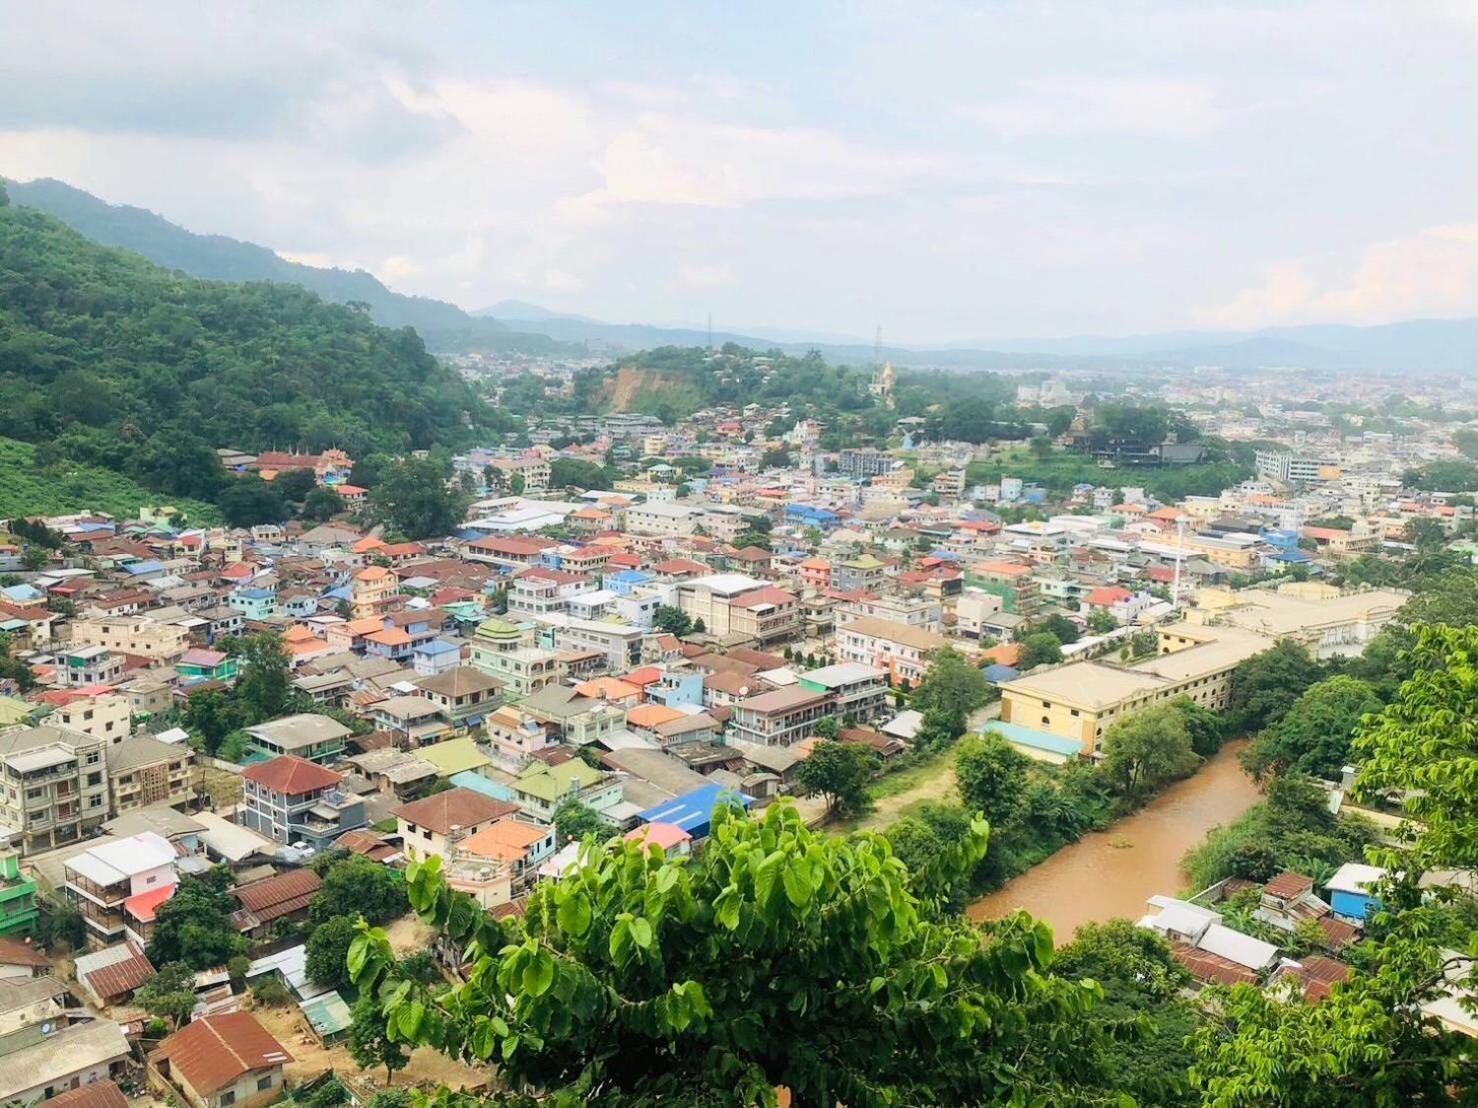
column 211, row 1053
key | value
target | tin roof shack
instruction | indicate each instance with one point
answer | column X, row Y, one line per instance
column 222, row 1061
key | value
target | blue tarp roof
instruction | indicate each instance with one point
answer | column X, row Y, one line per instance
column 693, row 809
column 471, row 779
column 134, row 569
column 998, row 673
column 1037, row 740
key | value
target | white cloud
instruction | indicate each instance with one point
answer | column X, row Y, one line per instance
column 1434, row 272
column 700, row 275
column 1166, row 108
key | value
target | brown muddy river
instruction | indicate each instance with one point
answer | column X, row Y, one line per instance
column 1112, row 873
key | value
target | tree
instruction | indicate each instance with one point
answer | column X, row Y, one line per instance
column 516, row 484
column 779, row 957
column 826, row 728
column 212, row 715
column 322, row 504
column 1100, row 622
column 1040, row 649
column 1058, row 626
column 370, row 1043
column 926, row 842
column 1314, row 735
column 840, row 772
column 574, row 472
column 194, row 926
column 248, row 501
column 757, row 539
column 672, row 620
column 1207, row 728
column 937, row 730
column 169, row 994
column 264, row 689
column 1423, row 749
column 294, row 485
column 1146, row 750
column 992, row 777
column 1265, row 686
column 413, row 499
column 573, row 821
column 328, row 947
column 14, row 669
column 354, row 886
column 951, row 685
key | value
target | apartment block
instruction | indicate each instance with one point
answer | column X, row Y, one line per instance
column 780, row 718
column 118, row 885
column 291, row 800
column 901, row 651
column 53, row 786
column 143, row 771
column 137, row 635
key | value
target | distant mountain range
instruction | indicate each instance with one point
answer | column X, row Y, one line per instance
column 1427, row 345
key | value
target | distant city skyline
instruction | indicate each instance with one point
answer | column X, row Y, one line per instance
column 951, row 172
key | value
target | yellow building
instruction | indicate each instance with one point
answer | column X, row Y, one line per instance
column 137, row 635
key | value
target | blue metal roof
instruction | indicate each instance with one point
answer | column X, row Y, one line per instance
column 1037, row 740
column 134, row 569
column 437, row 646
column 693, row 809
column 997, row 673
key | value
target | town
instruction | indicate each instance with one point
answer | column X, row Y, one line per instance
column 215, row 737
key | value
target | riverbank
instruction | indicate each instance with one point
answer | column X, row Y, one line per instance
column 1113, row 872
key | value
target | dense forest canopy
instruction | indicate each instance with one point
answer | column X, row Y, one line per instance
column 114, row 362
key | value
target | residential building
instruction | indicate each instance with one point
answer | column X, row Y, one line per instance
column 865, row 462
column 312, row 737
column 98, row 711
column 859, row 691
column 143, row 771
column 465, row 695
column 576, row 718
column 283, row 896
column 924, row 613
column 221, row 1061
column 435, row 656
column 500, row 650
column 55, row 786
column 291, row 800
column 662, row 519
column 901, row 651
column 373, row 591
column 780, row 718
column 117, row 885
column 973, row 608
column 85, row 666
column 18, row 910
column 709, row 599
column 253, row 603
column 200, row 664
column 138, row 635
column 1013, row 582
column 863, row 573
column 534, row 472
column 50, row 1047
column 767, row 615
column 619, row 644
column 433, row 826
column 539, row 789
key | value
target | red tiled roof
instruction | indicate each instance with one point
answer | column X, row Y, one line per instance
column 291, row 775
column 1288, row 886
column 214, row 1051
column 367, row 843
column 281, row 895
column 121, row 977
column 457, row 807
column 97, row 1094
column 1107, row 595
column 13, row 952
column 757, row 598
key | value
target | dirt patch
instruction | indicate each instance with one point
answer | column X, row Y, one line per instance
column 223, row 787
column 427, row 1068
column 888, row 809
column 408, row 935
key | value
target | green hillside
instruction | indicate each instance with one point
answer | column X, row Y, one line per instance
column 115, row 363
column 66, row 487
column 219, row 258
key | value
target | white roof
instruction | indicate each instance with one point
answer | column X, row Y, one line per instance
column 905, row 725
column 120, row 859
column 843, row 673
column 1179, row 917
column 725, row 584
column 173, row 735
column 233, row 843
column 1237, row 947
column 1355, row 877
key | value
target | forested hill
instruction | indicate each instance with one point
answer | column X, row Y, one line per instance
column 218, row 258
column 109, row 360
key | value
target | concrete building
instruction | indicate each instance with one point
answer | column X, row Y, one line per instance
column 138, row 635
column 901, row 651
column 465, row 694
column 84, row 666
column 780, row 718
column 290, row 800
column 924, row 613
column 99, row 712
column 117, row 885
column 55, row 786
column 143, row 771
column 859, row 691
column 435, row 825
column 312, row 737
column 662, row 519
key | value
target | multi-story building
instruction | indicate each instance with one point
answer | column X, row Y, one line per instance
column 1013, row 582
column 815, row 574
column 143, row 771
column 53, row 786
column 724, row 522
column 539, row 591
column 18, row 910
column 901, row 651
column 859, row 691
column 500, row 650
column 540, row 788
column 311, row 737
column 373, row 591
column 780, row 718
column 922, row 612
column 860, row 574
column 768, row 615
column 90, row 665
column 619, row 643
column 662, row 519
column 138, row 635
column 708, row 598
column 253, row 602
column 533, row 471
column 507, row 551
column 435, row 825
column 865, row 462
column 291, row 800
column 99, row 712
column 465, row 694
column 116, row 887
column 973, row 608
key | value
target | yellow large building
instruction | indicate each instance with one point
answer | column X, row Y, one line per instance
column 1065, row 711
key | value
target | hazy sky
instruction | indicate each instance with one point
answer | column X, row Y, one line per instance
column 947, row 171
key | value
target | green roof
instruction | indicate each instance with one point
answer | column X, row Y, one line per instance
column 549, row 783
column 453, row 756
column 865, row 561
column 14, row 710
column 498, row 629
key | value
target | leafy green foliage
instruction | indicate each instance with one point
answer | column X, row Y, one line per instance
column 1207, row 729
column 992, row 777
column 62, row 485
column 1040, row 649
column 194, row 926
column 573, row 820
column 779, row 957
column 1147, row 750
column 1424, row 748
column 1314, row 735
column 1266, row 685
column 169, row 994
column 672, row 620
column 354, row 886
column 412, row 498
column 370, row 1043
column 328, row 951
column 951, row 685
column 574, row 473
column 840, row 772
column 141, row 370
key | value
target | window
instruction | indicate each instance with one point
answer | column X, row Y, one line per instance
column 227, row 1098
column 264, row 1083
column 1076, row 712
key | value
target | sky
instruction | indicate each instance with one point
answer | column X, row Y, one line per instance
column 943, row 171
